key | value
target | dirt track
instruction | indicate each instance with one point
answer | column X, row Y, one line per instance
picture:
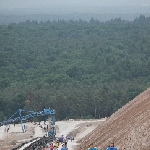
column 77, row 129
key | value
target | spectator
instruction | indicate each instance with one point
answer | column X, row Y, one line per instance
column 51, row 146
column 63, row 147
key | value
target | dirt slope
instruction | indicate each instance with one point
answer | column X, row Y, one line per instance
column 128, row 128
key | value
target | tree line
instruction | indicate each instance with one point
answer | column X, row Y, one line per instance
column 83, row 69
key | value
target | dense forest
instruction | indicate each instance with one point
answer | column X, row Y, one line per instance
column 83, row 69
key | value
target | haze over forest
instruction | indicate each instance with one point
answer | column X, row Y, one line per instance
column 70, row 9
column 55, row 54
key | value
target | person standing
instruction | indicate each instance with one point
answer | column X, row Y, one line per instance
column 44, row 148
column 65, row 142
column 51, row 146
column 55, row 148
column 63, row 147
column 57, row 144
column 111, row 147
column 71, row 138
column 8, row 127
column 91, row 147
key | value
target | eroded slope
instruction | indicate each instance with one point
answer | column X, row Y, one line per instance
column 129, row 127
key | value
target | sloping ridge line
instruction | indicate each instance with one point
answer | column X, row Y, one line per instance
column 128, row 128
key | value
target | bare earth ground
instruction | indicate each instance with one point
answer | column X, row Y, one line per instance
column 77, row 129
column 15, row 135
column 128, row 128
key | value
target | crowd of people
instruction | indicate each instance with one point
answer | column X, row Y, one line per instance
column 59, row 144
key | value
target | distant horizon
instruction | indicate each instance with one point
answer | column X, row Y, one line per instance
column 71, row 6
column 79, row 9
column 69, row 9
column 9, row 4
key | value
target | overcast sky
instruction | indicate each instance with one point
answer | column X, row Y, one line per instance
column 4, row 4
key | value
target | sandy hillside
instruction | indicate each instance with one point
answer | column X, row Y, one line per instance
column 129, row 127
